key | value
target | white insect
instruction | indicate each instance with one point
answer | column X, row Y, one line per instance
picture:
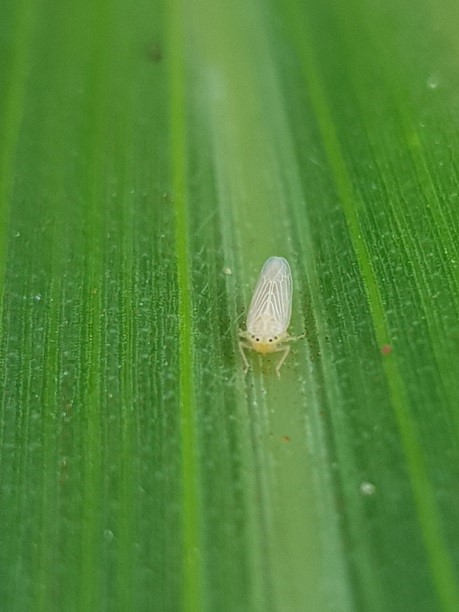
column 269, row 313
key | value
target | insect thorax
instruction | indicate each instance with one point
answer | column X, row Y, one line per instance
column 265, row 327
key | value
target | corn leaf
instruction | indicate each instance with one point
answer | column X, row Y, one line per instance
column 152, row 156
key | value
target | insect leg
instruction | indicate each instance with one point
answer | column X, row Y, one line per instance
column 294, row 338
column 285, row 350
column 242, row 346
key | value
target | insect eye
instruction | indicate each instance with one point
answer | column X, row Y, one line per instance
column 270, row 339
column 275, row 337
column 258, row 339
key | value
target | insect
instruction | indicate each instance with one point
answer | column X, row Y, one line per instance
column 269, row 313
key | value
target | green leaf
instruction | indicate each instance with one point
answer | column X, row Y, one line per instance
column 152, row 156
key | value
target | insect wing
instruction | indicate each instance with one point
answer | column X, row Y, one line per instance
column 272, row 298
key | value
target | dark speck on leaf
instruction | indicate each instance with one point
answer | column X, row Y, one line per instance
column 155, row 52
